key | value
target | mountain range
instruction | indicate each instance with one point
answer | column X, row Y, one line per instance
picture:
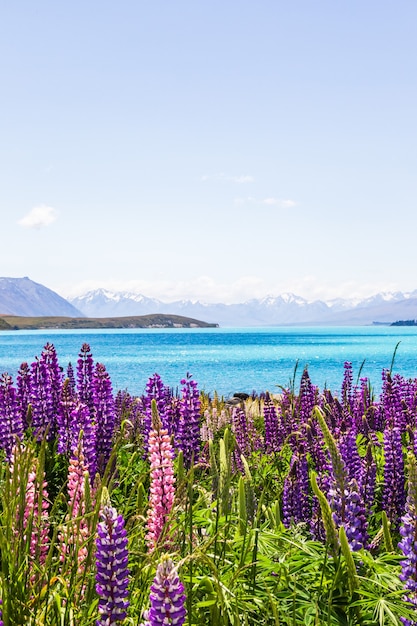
column 284, row 309
column 22, row 296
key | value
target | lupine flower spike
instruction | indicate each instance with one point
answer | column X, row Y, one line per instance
column 407, row 544
column 162, row 488
column 111, row 562
column 167, row 598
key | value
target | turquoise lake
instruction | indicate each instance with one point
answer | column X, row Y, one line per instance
column 225, row 359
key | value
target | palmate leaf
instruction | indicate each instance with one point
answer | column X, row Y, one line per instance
column 386, row 609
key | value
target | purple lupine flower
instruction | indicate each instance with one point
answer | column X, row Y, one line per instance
column 11, row 424
column 64, row 419
column 105, row 416
column 53, row 373
column 271, row 425
column 350, row 455
column 23, row 382
column 295, row 495
column 130, row 410
column 356, row 525
column 408, row 545
column 81, row 422
column 156, row 390
column 367, row 481
column 42, row 415
column 307, row 398
column 240, row 431
column 167, row 598
column 85, row 369
column 347, row 387
column 112, row 571
column 188, row 438
column 393, row 493
column 71, row 378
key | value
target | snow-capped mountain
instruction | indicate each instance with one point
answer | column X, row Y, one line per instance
column 22, row 296
column 286, row 308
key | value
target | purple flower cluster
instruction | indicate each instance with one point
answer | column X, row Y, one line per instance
column 167, row 598
column 112, row 571
column 188, row 436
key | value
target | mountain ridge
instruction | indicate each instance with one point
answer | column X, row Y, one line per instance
column 284, row 309
column 24, row 297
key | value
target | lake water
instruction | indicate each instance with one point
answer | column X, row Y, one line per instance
column 225, row 359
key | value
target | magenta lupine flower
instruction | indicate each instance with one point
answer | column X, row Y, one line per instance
column 112, row 571
column 104, row 414
column 188, row 434
column 11, row 424
column 162, row 481
column 167, row 598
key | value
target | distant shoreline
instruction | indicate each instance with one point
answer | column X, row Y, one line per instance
column 158, row 320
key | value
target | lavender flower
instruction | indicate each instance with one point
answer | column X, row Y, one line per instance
column 167, row 597
column 112, row 572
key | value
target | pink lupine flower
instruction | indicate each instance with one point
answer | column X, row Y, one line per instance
column 162, row 487
column 76, row 531
column 33, row 518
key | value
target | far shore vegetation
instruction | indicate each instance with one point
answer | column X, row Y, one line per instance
column 157, row 320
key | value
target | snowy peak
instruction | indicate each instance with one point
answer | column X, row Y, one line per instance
column 286, row 308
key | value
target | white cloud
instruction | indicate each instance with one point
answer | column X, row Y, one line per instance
column 270, row 201
column 283, row 204
column 241, row 179
column 38, row 217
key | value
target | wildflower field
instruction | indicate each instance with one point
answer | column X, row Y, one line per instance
column 289, row 508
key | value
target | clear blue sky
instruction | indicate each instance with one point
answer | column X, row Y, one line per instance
column 218, row 150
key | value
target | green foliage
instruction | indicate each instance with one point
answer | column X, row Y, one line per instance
column 239, row 564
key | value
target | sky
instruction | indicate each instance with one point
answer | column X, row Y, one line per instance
column 216, row 150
